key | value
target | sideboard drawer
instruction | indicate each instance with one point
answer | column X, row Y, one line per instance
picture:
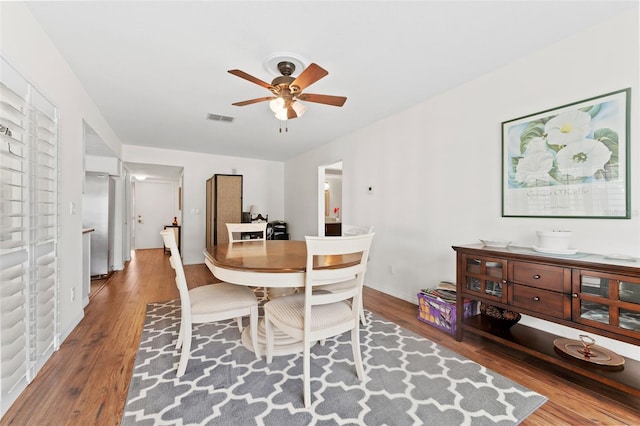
column 547, row 277
column 546, row 302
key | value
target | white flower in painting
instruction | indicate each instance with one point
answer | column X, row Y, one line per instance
column 534, row 167
column 583, row 158
column 568, row 127
column 536, row 145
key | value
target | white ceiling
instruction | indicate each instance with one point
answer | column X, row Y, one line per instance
column 156, row 69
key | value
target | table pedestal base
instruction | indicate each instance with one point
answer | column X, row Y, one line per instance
column 273, row 292
column 283, row 343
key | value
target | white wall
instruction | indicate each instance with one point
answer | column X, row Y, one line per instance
column 262, row 181
column 24, row 44
column 436, row 168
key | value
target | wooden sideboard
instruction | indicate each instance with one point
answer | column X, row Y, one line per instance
column 584, row 291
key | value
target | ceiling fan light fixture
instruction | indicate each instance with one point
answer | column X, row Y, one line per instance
column 276, row 105
column 282, row 115
column 299, row 108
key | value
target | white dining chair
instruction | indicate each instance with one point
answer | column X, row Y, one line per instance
column 209, row 303
column 236, row 230
column 316, row 314
column 348, row 231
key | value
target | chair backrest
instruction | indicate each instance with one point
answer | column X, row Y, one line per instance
column 349, row 230
column 169, row 238
column 351, row 276
column 235, row 231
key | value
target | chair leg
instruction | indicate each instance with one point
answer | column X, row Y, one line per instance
column 239, row 323
column 355, row 346
column 253, row 324
column 180, row 334
column 186, row 352
column 268, row 328
column 306, row 373
column 363, row 318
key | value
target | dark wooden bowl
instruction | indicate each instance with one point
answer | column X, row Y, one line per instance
column 500, row 323
column 499, row 318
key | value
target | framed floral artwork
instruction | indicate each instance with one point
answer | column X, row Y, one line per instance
column 571, row 161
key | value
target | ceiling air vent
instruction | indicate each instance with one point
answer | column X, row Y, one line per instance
column 218, row 117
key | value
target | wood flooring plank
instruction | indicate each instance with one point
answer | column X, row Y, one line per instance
column 87, row 380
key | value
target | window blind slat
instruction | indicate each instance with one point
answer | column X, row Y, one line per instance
column 10, row 304
column 14, row 368
column 13, row 333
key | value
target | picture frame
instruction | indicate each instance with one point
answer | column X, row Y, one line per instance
column 570, row 161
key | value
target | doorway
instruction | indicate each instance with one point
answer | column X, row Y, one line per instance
column 154, row 209
column 330, row 212
column 158, row 191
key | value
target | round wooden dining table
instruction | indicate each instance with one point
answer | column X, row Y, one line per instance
column 277, row 265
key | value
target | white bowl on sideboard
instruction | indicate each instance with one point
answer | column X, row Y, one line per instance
column 555, row 240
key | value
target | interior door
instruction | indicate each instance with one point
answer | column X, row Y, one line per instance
column 154, row 208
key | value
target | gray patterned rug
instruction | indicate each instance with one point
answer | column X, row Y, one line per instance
column 411, row 380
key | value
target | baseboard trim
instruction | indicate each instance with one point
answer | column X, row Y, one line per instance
column 63, row 334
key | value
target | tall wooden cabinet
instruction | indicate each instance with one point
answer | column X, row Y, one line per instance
column 224, row 205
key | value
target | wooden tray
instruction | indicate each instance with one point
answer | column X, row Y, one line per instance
column 599, row 355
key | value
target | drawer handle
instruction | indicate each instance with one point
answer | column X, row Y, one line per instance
column 536, row 277
column 536, row 299
column 574, row 295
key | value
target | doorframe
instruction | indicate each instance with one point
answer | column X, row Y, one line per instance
column 322, row 176
column 154, row 172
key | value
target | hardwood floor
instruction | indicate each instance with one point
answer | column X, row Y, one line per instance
column 86, row 381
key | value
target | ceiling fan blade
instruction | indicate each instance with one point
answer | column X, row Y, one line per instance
column 323, row 99
column 253, row 101
column 310, row 75
column 291, row 113
column 251, row 78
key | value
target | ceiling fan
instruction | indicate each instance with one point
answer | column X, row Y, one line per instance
column 287, row 90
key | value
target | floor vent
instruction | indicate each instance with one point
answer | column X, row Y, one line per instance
column 218, row 117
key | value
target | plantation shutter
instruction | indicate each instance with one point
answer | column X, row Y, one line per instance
column 28, row 232
column 44, row 211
